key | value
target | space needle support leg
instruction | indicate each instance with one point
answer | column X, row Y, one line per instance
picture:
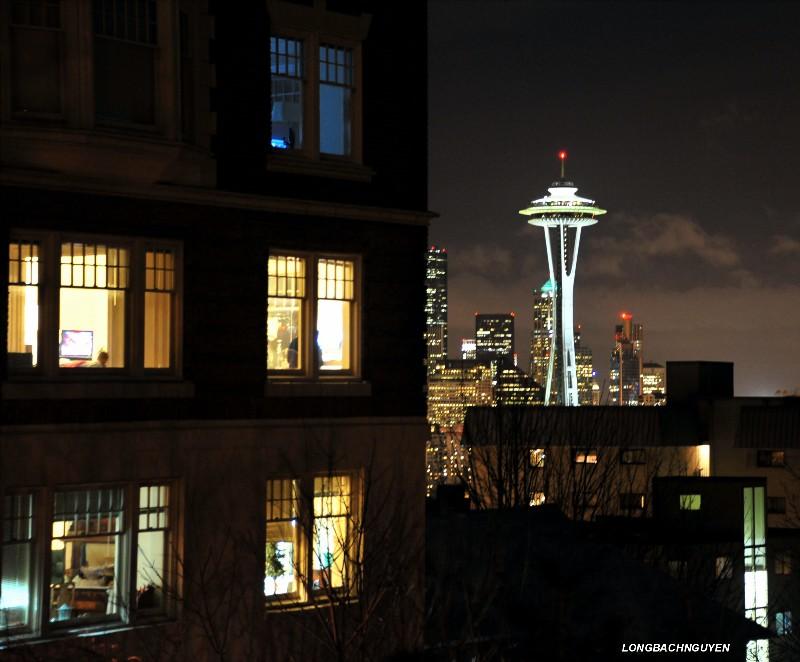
column 551, row 354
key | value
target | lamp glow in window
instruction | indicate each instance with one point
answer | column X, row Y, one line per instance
column 94, row 280
column 151, row 557
column 286, row 289
column 331, row 546
column 283, row 539
column 158, row 303
column 15, row 561
column 335, row 294
column 23, row 306
column 86, row 554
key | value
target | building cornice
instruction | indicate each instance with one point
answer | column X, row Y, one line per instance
column 215, row 198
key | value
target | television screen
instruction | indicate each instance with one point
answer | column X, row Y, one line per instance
column 76, row 345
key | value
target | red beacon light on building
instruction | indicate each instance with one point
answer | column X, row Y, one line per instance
column 626, row 316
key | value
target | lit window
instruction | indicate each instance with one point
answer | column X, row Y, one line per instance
column 159, row 293
column 335, row 294
column 537, row 457
column 771, row 458
column 283, row 540
column 286, row 288
column 690, row 501
column 87, row 555
column 23, row 305
column 723, row 567
column 94, row 281
column 16, row 562
column 336, row 85
column 332, row 544
column 103, row 291
column 286, row 67
column 586, row 456
column 125, row 39
column 538, row 498
column 783, row 623
column 783, row 563
column 290, row 317
column 152, row 554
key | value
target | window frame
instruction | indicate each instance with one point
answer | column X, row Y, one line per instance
column 128, row 612
column 49, row 304
column 690, row 502
column 312, row 41
column 309, row 370
column 306, row 595
column 33, row 563
column 771, row 458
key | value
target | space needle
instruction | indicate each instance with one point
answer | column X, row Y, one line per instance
column 566, row 213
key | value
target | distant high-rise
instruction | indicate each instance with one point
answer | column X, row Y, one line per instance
column 468, row 349
column 626, row 363
column 436, row 306
column 494, row 338
column 565, row 212
column 512, row 387
column 654, row 384
column 542, row 335
column 583, row 369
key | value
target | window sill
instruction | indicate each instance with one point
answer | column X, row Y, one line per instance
column 96, row 389
column 324, row 389
column 335, row 168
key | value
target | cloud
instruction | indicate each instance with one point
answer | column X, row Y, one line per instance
column 490, row 261
column 639, row 239
column 785, row 245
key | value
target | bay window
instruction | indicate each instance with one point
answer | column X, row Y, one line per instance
column 76, row 304
column 311, row 322
column 16, row 562
column 108, row 556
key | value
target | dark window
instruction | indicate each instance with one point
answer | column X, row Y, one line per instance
column 336, row 84
column 186, row 79
column 633, row 456
column 631, row 501
column 776, row 505
column 771, row 459
column 36, row 39
column 124, row 60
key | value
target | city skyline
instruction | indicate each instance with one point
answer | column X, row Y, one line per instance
column 690, row 145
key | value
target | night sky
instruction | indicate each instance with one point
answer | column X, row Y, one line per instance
column 681, row 119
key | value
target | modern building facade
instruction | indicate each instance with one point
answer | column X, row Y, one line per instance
column 542, row 336
column 494, row 338
column 215, row 231
column 566, row 213
column 436, row 306
column 626, row 363
column 654, row 384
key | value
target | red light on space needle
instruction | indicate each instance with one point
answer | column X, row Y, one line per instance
column 562, row 155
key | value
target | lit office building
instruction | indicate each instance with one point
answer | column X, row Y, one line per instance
column 584, row 370
column 468, row 349
column 626, row 363
column 654, row 384
column 446, row 459
column 455, row 386
column 512, row 387
column 494, row 338
column 436, row 306
column 542, row 335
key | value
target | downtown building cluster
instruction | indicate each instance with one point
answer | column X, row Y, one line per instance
column 215, row 222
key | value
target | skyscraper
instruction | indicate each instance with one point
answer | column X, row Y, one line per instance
column 654, row 384
column 436, row 306
column 542, row 334
column 567, row 213
column 468, row 349
column 494, row 338
column 626, row 363
column 584, row 369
